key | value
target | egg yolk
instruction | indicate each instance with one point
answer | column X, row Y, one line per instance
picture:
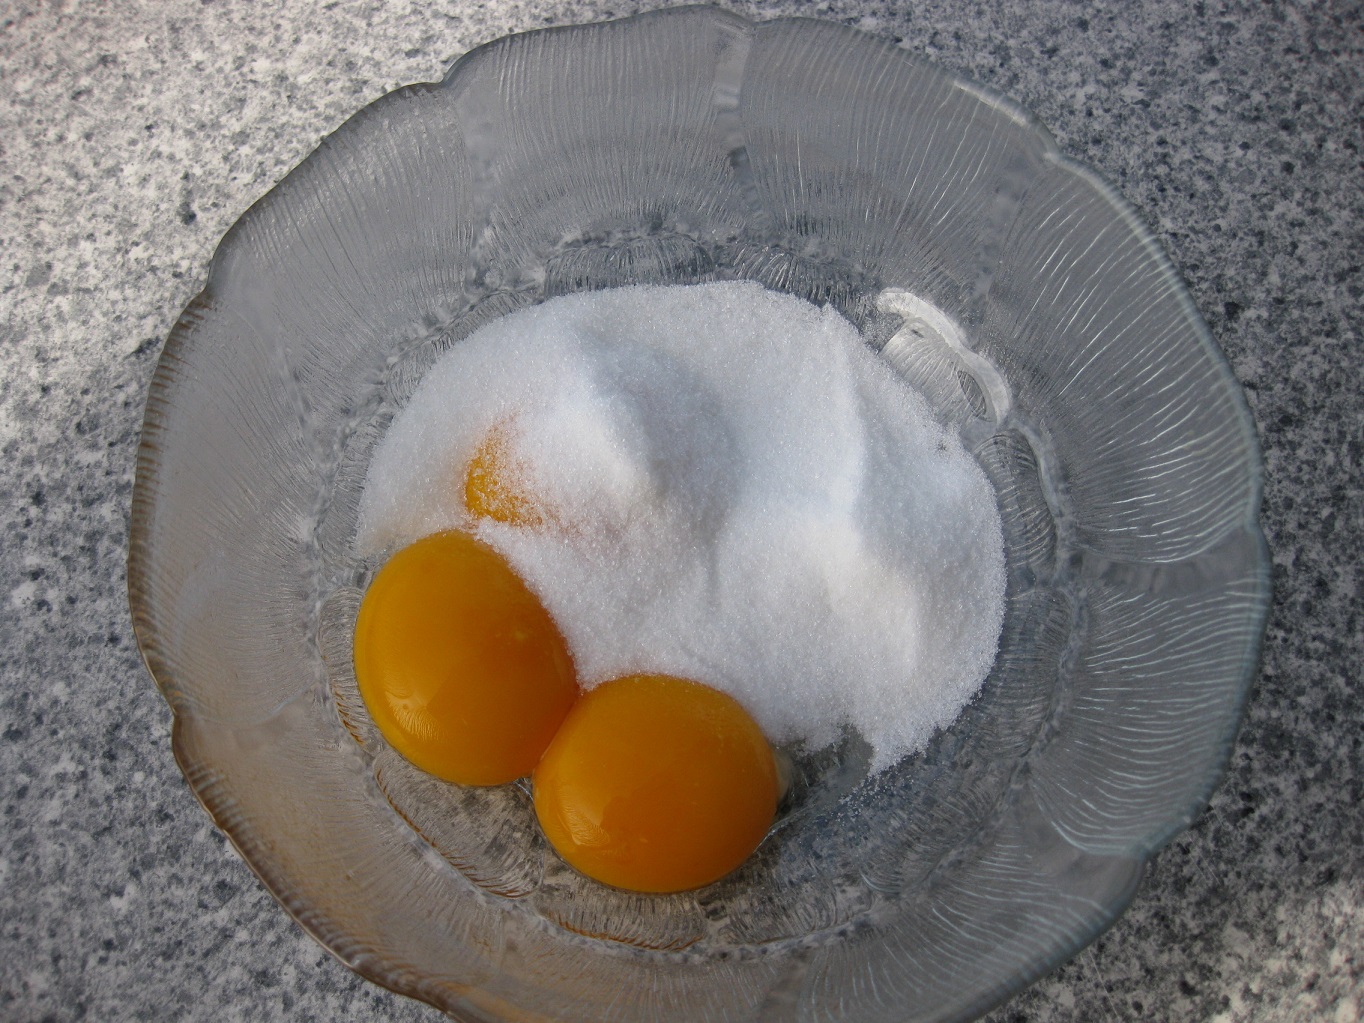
column 460, row 665
column 491, row 483
column 656, row 784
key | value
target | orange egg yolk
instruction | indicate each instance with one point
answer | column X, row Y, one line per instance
column 492, row 483
column 460, row 665
column 656, row 784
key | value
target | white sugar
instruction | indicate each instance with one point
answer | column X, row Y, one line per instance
column 741, row 493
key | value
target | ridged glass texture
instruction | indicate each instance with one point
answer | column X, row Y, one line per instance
column 1010, row 285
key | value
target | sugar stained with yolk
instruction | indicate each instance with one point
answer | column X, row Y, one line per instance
column 493, row 486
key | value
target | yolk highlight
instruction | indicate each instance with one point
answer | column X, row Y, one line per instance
column 491, row 483
column 656, row 784
column 460, row 665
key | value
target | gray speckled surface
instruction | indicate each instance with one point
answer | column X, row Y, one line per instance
column 132, row 134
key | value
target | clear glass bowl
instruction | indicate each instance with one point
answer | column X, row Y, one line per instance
column 1010, row 285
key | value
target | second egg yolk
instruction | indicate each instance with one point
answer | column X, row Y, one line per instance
column 461, row 667
column 656, row 784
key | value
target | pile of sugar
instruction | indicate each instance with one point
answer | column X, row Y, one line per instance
column 739, row 493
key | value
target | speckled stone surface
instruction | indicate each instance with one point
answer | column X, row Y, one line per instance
column 132, row 135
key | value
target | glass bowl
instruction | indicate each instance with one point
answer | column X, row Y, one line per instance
column 1010, row 285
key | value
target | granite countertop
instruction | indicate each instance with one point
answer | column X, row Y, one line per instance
column 134, row 132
